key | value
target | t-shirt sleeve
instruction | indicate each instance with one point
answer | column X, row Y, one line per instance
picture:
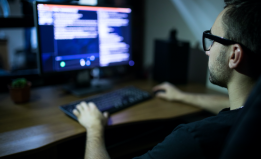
column 179, row 144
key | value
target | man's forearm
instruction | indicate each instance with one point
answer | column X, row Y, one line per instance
column 95, row 146
column 212, row 103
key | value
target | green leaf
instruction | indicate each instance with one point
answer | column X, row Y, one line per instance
column 19, row 83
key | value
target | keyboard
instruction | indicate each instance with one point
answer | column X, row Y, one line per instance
column 111, row 102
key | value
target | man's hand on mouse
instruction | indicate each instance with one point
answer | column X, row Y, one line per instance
column 171, row 92
column 90, row 117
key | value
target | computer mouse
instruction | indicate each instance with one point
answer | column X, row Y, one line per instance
column 158, row 91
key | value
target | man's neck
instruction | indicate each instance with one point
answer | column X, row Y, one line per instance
column 238, row 91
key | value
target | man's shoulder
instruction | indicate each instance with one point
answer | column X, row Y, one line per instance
column 215, row 124
column 201, row 139
column 210, row 132
column 225, row 117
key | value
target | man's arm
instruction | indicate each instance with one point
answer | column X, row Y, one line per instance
column 212, row 103
column 94, row 121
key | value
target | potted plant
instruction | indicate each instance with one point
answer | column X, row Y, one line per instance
column 20, row 90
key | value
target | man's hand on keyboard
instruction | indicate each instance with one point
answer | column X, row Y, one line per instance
column 90, row 117
column 171, row 92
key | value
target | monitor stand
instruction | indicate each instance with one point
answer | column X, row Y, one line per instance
column 83, row 85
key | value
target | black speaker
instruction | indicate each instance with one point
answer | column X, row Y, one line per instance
column 171, row 61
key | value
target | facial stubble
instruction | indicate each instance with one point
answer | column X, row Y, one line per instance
column 219, row 73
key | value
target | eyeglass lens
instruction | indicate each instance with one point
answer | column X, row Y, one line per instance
column 208, row 43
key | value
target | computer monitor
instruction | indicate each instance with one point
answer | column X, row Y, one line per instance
column 75, row 37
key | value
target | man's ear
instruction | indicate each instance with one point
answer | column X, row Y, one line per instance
column 236, row 56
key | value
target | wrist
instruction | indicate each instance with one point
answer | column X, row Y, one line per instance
column 182, row 97
column 95, row 131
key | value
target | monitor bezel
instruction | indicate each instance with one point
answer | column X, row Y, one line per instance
column 39, row 53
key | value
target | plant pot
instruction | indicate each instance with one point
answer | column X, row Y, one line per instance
column 20, row 95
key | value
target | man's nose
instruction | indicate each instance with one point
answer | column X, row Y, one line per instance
column 207, row 53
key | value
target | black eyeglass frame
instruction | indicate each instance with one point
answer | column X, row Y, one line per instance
column 221, row 40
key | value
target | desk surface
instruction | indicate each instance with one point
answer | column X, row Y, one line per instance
column 41, row 123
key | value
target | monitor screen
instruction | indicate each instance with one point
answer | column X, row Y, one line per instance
column 75, row 37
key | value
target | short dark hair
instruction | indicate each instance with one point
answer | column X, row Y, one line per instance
column 242, row 23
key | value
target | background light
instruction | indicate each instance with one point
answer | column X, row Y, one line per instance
column 131, row 63
column 62, row 64
column 92, row 58
column 88, row 63
column 82, row 62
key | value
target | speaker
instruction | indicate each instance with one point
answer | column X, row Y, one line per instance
column 171, row 61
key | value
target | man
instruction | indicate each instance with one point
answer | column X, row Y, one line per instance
column 233, row 64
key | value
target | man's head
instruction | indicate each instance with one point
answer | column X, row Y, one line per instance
column 240, row 23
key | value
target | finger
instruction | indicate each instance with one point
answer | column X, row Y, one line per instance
column 76, row 113
column 157, row 86
column 79, row 107
column 84, row 105
column 162, row 86
column 92, row 105
column 106, row 115
column 161, row 95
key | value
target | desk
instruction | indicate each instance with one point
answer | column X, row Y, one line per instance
column 40, row 124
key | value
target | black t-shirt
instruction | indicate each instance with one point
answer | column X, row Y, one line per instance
column 200, row 139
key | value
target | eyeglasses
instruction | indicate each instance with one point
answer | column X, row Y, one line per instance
column 208, row 40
